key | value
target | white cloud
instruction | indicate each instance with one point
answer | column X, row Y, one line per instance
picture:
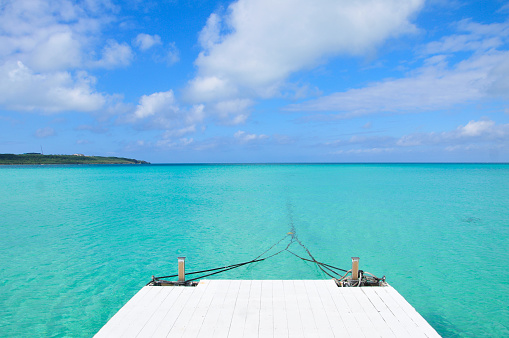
column 114, row 55
column 45, row 46
column 252, row 50
column 270, row 40
column 210, row 34
column 83, row 142
column 174, row 144
column 146, row 41
column 60, row 50
column 233, row 111
column 44, row 132
column 474, row 37
column 212, row 88
column 437, row 84
column 179, row 132
column 50, row 35
column 428, row 88
column 244, row 137
column 173, row 54
column 161, row 111
column 23, row 89
column 477, row 128
column 364, row 141
column 474, row 132
column 157, row 103
column 483, row 136
column 365, row 151
column 499, row 76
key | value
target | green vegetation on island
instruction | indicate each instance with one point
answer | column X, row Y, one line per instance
column 12, row 159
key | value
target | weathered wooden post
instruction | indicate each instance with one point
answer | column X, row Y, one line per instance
column 355, row 268
column 182, row 269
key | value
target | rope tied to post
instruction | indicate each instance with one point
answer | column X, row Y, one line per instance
column 328, row 269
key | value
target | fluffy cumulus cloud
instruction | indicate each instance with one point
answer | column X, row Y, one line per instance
column 21, row 88
column 46, row 46
column 60, row 50
column 146, row 41
column 39, row 34
column 157, row 103
column 161, row 110
column 438, row 83
column 49, row 35
column 250, row 51
column 114, row 55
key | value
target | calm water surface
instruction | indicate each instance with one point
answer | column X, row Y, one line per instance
column 79, row 241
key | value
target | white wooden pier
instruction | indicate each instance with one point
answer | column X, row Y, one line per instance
column 267, row 308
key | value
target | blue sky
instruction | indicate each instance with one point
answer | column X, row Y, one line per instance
column 256, row 80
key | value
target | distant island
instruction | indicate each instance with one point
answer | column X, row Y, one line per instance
column 36, row 158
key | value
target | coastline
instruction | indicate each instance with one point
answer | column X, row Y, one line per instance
column 39, row 159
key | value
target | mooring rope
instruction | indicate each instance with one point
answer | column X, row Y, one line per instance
column 263, row 253
column 214, row 269
column 326, row 266
column 214, row 273
column 293, row 239
column 313, row 258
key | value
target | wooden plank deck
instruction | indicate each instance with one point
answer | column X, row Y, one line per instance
column 268, row 308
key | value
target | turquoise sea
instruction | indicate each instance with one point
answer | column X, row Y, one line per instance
column 77, row 242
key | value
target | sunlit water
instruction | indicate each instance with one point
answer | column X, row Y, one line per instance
column 79, row 241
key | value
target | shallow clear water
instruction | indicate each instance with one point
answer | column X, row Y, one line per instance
column 79, row 241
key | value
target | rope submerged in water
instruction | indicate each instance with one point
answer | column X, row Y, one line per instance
column 329, row 270
column 218, row 270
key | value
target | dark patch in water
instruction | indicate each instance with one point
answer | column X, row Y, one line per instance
column 472, row 220
column 443, row 326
